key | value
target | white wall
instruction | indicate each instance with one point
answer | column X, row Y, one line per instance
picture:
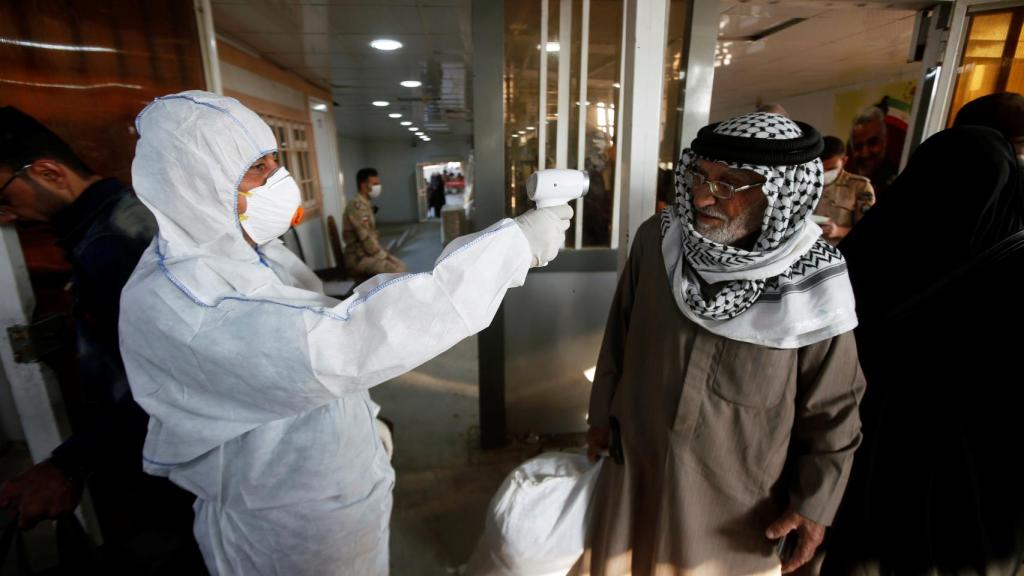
column 818, row 108
column 395, row 161
column 246, row 82
column 352, row 155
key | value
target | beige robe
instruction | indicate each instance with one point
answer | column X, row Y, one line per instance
column 719, row 436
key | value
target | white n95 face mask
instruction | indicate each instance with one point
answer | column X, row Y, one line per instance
column 272, row 207
column 831, row 175
column 375, row 190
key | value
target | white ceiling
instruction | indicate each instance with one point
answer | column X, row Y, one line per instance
column 841, row 43
column 328, row 43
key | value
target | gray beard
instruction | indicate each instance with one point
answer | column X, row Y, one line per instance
column 733, row 230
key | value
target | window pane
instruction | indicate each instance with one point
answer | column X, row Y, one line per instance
column 993, row 59
column 523, row 119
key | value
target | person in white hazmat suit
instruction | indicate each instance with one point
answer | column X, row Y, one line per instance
column 256, row 383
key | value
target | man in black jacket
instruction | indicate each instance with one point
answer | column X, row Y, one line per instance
column 103, row 230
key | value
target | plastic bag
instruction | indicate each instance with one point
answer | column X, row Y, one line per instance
column 538, row 520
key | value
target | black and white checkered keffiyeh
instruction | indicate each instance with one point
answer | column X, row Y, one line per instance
column 789, row 257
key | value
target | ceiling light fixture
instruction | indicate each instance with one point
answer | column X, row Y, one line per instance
column 411, row 83
column 386, row 44
column 406, row 123
column 320, row 107
column 394, row 115
column 381, row 103
column 413, row 129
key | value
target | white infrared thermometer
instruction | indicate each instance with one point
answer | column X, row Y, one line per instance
column 557, row 186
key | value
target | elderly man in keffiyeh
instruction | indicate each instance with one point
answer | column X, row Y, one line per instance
column 728, row 374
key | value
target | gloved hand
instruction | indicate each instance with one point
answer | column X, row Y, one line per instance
column 544, row 229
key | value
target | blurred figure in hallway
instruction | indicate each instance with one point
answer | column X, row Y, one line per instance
column 364, row 255
column 435, row 195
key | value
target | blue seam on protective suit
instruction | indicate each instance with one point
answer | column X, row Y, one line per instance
column 252, row 139
column 316, row 310
column 138, row 117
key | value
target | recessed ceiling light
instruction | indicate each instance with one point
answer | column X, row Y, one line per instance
column 616, row 85
column 411, row 83
column 320, row 107
column 413, row 129
column 394, row 115
column 530, row 128
column 406, row 123
column 386, row 44
column 381, row 103
column 419, row 134
column 553, row 47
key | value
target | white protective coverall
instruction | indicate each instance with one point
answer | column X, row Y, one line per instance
column 256, row 383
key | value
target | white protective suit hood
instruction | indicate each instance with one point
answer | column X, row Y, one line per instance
column 193, row 151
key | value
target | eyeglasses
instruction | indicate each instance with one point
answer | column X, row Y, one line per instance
column 17, row 173
column 721, row 190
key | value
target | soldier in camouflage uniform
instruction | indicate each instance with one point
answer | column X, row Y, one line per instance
column 846, row 196
column 364, row 256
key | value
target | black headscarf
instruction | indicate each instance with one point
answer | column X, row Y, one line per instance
column 934, row 267
column 1003, row 111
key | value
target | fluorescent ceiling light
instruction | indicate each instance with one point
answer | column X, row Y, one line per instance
column 413, row 128
column 530, row 128
column 551, row 47
column 419, row 133
column 386, row 44
column 394, row 115
column 406, row 123
column 320, row 107
column 411, row 83
column 381, row 103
